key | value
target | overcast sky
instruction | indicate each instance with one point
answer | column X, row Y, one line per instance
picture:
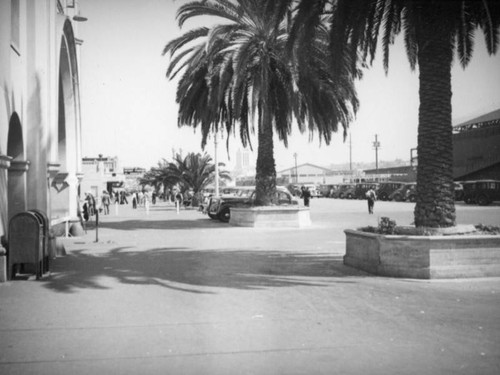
column 129, row 108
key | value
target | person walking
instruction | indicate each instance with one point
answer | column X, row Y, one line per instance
column 105, row 200
column 134, row 200
column 178, row 200
column 147, row 200
column 371, row 197
column 306, row 195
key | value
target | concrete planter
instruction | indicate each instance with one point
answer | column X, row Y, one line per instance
column 270, row 216
column 423, row 257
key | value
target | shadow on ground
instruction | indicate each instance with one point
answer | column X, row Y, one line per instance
column 193, row 271
column 142, row 223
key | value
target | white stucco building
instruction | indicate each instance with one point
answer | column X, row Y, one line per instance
column 40, row 129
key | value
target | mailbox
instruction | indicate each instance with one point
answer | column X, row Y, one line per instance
column 46, row 238
column 26, row 242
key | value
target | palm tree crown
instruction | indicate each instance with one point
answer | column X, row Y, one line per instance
column 240, row 71
column 194, row 171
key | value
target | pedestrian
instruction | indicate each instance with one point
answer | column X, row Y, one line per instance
column 106, row 200
column 306, row 195
column 371, row 197
column 134, row 200
column 147, row 200
column 178, row 200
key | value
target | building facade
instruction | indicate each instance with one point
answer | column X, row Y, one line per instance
column 40, row 128
column 312, row 174
column 476, row 148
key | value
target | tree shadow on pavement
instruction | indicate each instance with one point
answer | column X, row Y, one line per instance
column 187, row 224
column 196, row 271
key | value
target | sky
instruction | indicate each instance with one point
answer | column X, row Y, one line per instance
column 129, row 108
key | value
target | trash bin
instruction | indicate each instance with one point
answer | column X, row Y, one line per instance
column 46, row 238
column 26, row 242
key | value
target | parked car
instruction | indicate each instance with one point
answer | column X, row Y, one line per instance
column 220, row 207
column 349, row 192
column 482, row 192
column 313, row 190
column 361, row 189
column 326, row 189
column 340, row 192
column 385, row 189
column 459, row 191
column 406, row 192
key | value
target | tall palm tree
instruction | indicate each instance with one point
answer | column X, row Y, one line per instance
column 433, row 31
column 240, row 72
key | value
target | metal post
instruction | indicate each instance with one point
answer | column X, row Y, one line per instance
column 296, row 169
column 216, row 166
column 376, row 145
column 350, row 154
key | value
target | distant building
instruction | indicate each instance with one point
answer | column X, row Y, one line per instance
column 405, row 173
column 101, row 174
column 132, row 177
column 312, row 174
column 476, row 148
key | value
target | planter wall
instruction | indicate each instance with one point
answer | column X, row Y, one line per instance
column 274, row 216
column 423, row 257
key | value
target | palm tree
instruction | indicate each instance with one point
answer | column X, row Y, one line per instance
column 159, row 177
column 433, row 31
column 195, row 172
column 240, row 72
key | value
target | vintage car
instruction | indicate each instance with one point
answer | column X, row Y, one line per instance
column 385, row 189
column 482, row 192
column 406, row 192
column 329, row 190
column 411, row 192
column 341, row 190
column 220, row 207
column 361, row 188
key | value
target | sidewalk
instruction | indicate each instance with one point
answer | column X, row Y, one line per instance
column 169, row 293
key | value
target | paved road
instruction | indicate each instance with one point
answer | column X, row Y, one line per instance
column 182, row 294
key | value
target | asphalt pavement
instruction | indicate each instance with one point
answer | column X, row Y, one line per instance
column 168, row 293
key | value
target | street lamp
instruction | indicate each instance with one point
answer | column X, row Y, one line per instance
column 296, row 170
column 376, row 146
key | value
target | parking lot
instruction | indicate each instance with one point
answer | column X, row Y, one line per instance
column 355, row 212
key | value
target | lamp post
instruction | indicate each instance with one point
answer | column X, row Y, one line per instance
column 376, row 146
column 216, row 166
column 296, row 170
column 350, row 154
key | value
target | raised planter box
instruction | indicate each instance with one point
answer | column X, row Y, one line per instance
column 423, row 257
column 270, row 216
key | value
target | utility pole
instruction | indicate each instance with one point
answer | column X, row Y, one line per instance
column 350, row 154
column 376, row 146
column 296, row 170
column 216, row 166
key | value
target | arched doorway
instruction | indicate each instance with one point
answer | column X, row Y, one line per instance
column 16, row 177
column 64, row 186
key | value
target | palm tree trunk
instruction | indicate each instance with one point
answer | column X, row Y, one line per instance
column 435, row 205
column 265, row 179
